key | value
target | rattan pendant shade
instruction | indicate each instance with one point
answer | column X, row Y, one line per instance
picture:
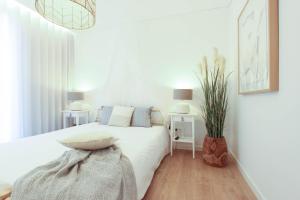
column 71, row 14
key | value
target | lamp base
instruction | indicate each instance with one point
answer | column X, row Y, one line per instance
column 75, row 106
column 182, row 108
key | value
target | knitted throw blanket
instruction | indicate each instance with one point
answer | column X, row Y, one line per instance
column 80, row 175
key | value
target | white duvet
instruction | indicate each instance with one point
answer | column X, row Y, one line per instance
column 145, row 147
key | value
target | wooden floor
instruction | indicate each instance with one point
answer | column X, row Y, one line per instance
column 180, row 177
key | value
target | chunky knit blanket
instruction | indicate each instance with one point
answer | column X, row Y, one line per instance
column 80, row 175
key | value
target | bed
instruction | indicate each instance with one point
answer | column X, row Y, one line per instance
column 145, row 148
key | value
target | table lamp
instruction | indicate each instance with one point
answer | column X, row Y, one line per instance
column 75, row 98
column 182, row 94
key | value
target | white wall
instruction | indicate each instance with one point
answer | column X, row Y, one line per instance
column 267, row 136
column 136, row 54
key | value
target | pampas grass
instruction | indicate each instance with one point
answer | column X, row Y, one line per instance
column 214, row 85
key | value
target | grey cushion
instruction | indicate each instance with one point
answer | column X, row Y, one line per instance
column 141, row 117
column 105, row 114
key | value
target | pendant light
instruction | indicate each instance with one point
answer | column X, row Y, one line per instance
column 71, row 14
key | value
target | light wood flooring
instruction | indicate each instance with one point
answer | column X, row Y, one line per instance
column 180, row 177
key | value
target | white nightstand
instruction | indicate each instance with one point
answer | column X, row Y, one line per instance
column 175, row 117
column 76, row 114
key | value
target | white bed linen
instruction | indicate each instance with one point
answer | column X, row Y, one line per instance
column 145, row 147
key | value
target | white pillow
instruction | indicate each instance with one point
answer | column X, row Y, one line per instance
column 121, row 116
column 89, row 140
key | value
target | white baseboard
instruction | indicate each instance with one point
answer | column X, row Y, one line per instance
column 185, row 146
column 248, row 179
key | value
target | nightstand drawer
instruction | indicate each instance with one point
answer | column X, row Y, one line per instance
column 182, row 119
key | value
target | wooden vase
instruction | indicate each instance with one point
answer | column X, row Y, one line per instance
column 215, row 151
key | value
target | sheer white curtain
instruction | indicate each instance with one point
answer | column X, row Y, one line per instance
column 35, row 58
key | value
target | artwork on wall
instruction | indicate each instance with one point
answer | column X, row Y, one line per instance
column 258, row 52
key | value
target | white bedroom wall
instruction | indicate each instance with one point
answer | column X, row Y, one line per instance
column 266, row 140
column 137, row 53
column 28, row 3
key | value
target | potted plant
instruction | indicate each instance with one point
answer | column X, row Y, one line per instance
column 214, row 85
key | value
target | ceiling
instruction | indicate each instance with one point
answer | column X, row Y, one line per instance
column 151, row 7
column 110, row 11
column 147, row 9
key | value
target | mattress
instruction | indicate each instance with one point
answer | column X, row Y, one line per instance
column 145, row 147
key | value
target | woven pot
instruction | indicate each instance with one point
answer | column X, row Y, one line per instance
column 215, row 151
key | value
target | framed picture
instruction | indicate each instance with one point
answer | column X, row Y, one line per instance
column 258, row 47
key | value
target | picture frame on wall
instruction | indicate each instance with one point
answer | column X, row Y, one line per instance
column 258, row 47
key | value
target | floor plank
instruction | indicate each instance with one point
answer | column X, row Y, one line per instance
column 184, row 178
